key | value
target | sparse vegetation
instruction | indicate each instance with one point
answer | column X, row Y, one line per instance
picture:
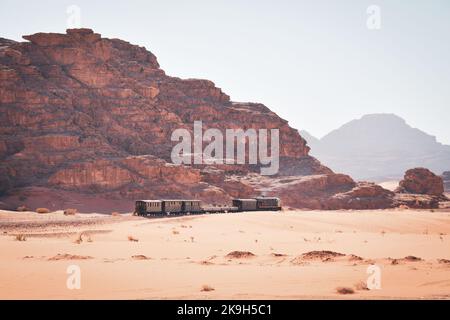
column 70, row 212
column 66, row 256
column 361, row 285
column 42, row 210
column 412, row 258
column 20, row 237
column 345, row 290
column 133, row 239
column 206, row 288
column 175, row 232
column 81, row 236
column 22, row 208
column 140, row 257
column 240, row 254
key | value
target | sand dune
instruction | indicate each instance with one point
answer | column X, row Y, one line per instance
column 259, row 255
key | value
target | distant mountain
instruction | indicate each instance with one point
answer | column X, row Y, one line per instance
column 379, row 147
column 312, row 141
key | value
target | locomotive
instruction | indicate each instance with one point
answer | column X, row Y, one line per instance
column 166, row 207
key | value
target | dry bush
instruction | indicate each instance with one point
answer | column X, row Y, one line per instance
column 412, row 258
column 206, row 288
column 361, row 285
column 115, row 214
column 22, row 208
column 175, row 232
column 67, row 256
column 20, row 237
column 140, row 257
column 81, row 237
column 42, row 210
column 345, row 290
column 240, row 254
column 131, row 238
column 70, row 212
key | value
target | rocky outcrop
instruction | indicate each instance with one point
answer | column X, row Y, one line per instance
column 417, row 201
column 420, row 188
column 421, row 181
column 84, row 116
column 324, row 192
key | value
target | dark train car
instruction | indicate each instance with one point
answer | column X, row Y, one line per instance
column 268, row 203
column 165, row 207
column 148, row 207
column 245, row 204
column 172, row 206
column 192, row 206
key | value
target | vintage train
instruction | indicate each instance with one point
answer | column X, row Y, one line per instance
column 182, row 207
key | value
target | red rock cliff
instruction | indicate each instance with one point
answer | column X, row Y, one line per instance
column 82, row 113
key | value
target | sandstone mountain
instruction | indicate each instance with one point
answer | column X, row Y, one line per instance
column 379, row 147
column 86, row 123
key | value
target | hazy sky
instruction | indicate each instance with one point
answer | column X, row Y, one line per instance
column 315, row 63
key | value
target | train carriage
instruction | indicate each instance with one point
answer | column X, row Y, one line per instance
column 192, row 206
column 152, row 207
column 268, row 203
column 245, row 204
column 172, row 206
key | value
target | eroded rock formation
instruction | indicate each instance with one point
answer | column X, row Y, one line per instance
column 421, row 181
column 87, row 121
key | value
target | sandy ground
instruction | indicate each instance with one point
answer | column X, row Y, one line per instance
column 390, row 185
column 173, row 258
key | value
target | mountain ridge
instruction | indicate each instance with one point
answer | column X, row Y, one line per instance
column 380, row 146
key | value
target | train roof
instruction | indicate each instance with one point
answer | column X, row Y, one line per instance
column 243, row 199
column 149, row 200
column 269, row 198
column 191, row 200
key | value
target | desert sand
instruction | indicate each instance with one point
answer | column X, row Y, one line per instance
column 127, row 257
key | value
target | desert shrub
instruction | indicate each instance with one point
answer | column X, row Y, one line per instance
column 361, row 285
column 42, row 210
column 20, row 237
column 70, row 212
column 206, row 288
column 131, row 238
column 345, row 290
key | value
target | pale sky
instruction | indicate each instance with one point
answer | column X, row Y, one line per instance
column 315, row 63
